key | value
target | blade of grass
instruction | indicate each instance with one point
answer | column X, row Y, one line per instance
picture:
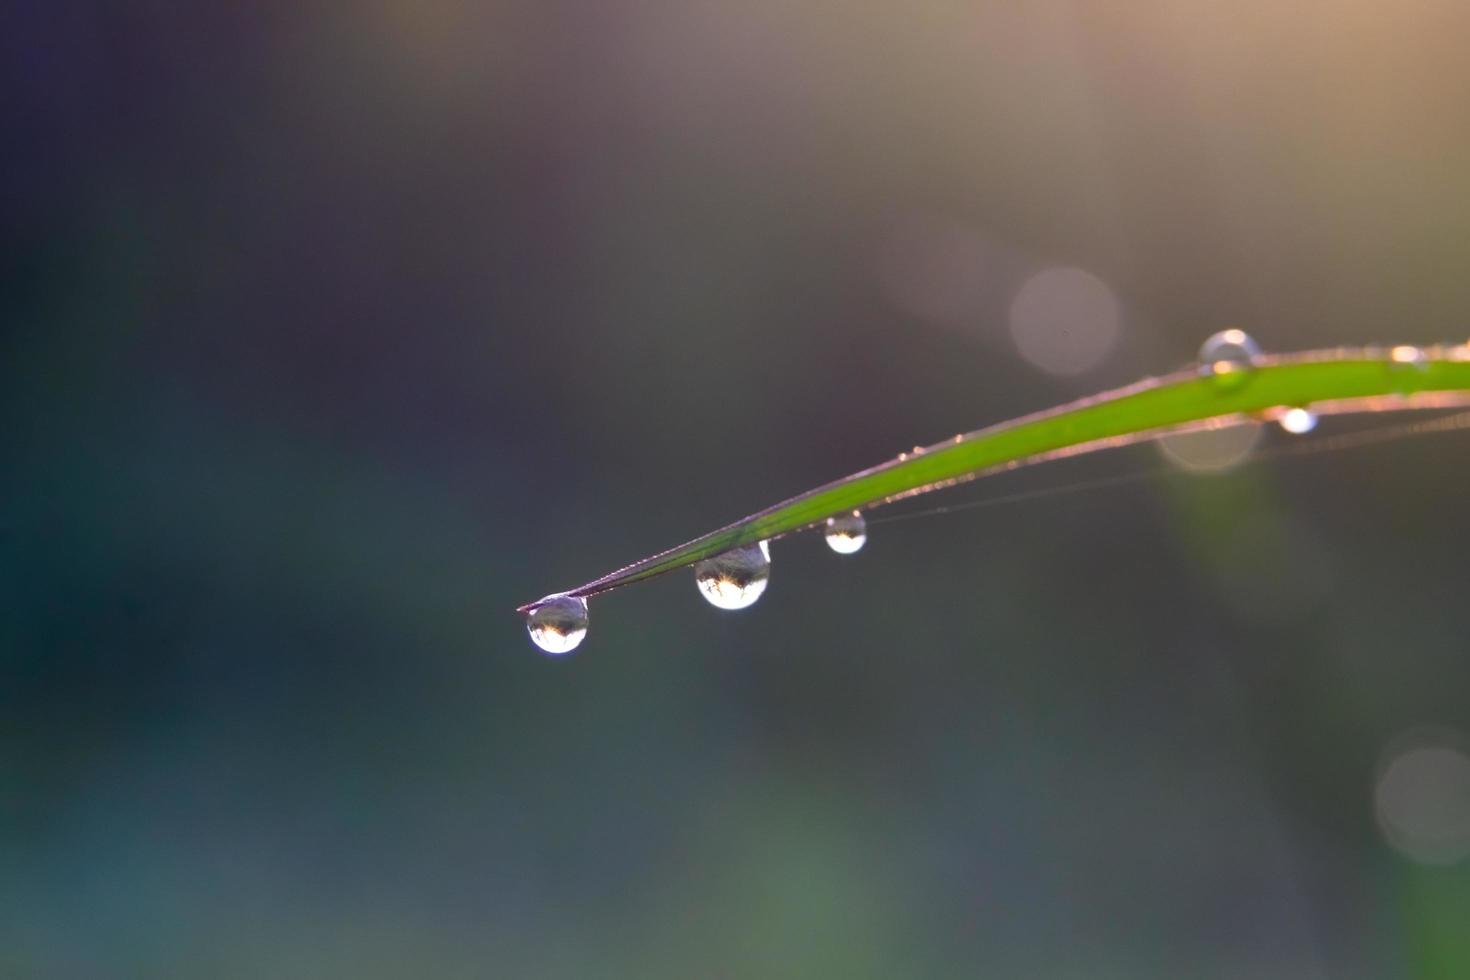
column 1334, row 381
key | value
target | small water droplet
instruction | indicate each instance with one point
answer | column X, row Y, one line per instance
column 1406, row 361
column 737, row 578
column 1228, row 357
column 558, row 623
column 1298, row 421
column 847, row 533
column 1407, row 355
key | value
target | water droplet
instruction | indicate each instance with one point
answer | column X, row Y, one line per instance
column 1406, row 355
column 847, row 533
column 1404, row 362
column 558, row 623
column 1228, row 357
column 1298, row 421
column 737, row 578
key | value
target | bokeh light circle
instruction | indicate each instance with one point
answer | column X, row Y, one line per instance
column 1422, row 799
column 1211, row 450
column 1065, row 321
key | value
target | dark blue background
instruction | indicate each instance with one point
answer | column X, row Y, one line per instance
column 334, row 332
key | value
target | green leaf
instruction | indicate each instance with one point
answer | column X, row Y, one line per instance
column 1330, row 382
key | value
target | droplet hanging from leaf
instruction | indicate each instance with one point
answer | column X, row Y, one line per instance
column 557, row 623
column 736, row 578
column 846, row 533
column 1297, row 421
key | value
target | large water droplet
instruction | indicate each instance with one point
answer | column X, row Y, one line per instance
column 1228, row 357
column 1298, row 421
column 558, row 623
column 737, row 578
column 847, row 533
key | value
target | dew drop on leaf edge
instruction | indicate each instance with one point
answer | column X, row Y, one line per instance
column 1404, row 362
column 558, row 623
column 1408, row 356
column 735, row 579
column 846, row 533
column 1228, row 357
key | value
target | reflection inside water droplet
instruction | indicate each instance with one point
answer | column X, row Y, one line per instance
column 558, row 623
column 1297, row 421
column 737, row 578
column 846, row 533
column 1228, row 357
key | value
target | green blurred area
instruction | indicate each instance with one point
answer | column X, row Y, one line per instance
column 332, row 334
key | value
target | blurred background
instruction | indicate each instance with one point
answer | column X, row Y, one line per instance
column 334, row 332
